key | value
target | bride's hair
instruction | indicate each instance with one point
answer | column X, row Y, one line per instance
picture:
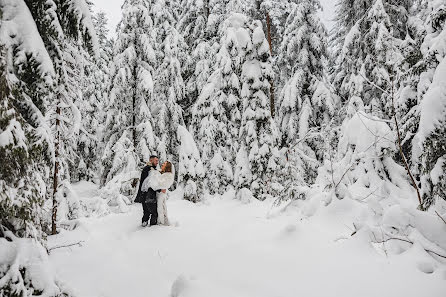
column 167, row 167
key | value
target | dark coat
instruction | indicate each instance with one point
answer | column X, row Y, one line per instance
column 150, row 195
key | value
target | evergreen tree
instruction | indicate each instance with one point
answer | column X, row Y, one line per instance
column 129, row 115
column 367, row 46
column 190, row 169
column 305, row 105
column 216, row 114
column 257, row 156
column 31, row 89
column 196, row 70
column 431, row 155
column 169, row 88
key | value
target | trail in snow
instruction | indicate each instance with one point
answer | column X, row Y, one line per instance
column 226, row 248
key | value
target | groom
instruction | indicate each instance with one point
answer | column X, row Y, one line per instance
column 148, row 199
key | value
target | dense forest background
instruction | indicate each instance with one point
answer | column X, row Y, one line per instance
column 249, row 96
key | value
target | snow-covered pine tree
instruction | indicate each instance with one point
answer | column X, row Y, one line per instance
column 306, row 105
column 190, row 167
column 273, row 14
column 94, row 84
column 33, row 38
column 129, row 123
column 366, row 43
column 257, row 157
column 192, row 25
column 169, row 90
column 25, row 140
column 216, row 114
column 429, row 144
column 410, row 72
column 60, row 24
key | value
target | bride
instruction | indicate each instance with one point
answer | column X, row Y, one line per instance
column 160, row 180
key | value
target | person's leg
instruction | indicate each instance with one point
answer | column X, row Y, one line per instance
column 159, row 199
column 154, row 213
column 146, row 212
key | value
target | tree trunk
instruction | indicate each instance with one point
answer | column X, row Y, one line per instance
column 206, row 9
column 56, row 171
column 134, row 106
column 271, row 97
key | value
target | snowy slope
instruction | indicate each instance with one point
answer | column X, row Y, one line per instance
column 225, row 248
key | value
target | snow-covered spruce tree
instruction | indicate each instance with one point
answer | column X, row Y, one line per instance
column 216, row 114
column 411, row 72
column 190, row 167
column 129, row 124
column 429, row 144
column 60, row 23
column 169, row 89
column 305, row 104
column 31, row 75
column 273, row 14
column 367, row 48
column 192, row 25
column 93, row 83
column 258, row 154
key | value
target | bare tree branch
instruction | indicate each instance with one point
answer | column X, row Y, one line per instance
column 411, row 242
column 414, row 184
column 444, row 221
column 79, row 243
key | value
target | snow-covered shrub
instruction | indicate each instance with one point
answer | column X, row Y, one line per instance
column 25, row 269
column 190, row 167
column 72, row 206
column 429, row 144
column 120, row 191
column 364, row 161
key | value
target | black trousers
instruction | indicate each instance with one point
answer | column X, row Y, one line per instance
column 150, row 212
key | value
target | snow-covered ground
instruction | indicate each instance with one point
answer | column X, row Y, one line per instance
column 223, row 247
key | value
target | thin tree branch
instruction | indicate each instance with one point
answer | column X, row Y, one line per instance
column 444, row 221
column 411, row 242
column 414, row 184
column 79, row 243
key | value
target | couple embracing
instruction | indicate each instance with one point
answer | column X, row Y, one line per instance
column 152, row 190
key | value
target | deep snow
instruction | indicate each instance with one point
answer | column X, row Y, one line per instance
column 223, row 247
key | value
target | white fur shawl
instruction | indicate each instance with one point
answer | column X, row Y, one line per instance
column 158, row 181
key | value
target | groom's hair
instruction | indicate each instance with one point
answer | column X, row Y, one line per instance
column 152, row 157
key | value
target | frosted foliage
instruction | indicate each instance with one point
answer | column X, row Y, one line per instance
column 369, row 51
column 364, row 163
column 433, row 106
column 26, row 270
column 18, row 27
column 169, row 86
column 258, row 135
column 190, row 167
column 429, row 142
column 132, row 94
column 216, row 114
column 301, row 61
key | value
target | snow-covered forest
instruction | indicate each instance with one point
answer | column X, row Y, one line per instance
column 308, row 161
